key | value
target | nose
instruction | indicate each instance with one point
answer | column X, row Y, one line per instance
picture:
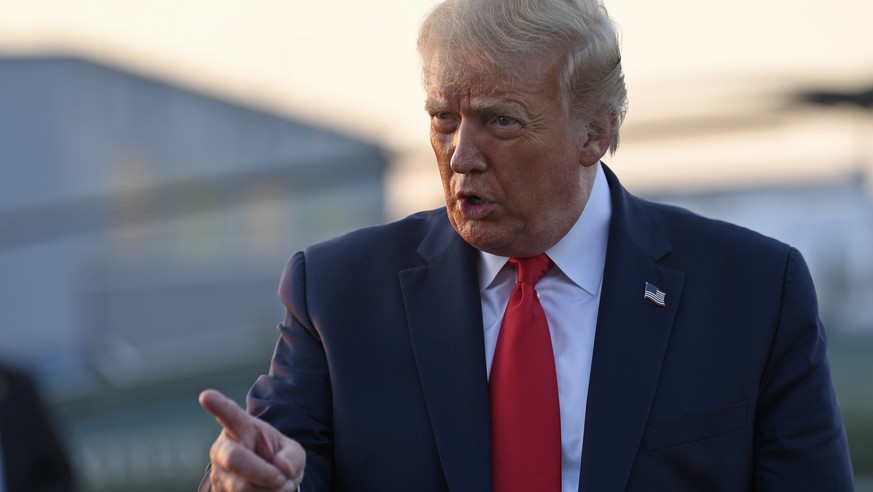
column 467, row 154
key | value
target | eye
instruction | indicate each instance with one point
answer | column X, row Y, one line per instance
column 443, row 121
column 503, row 126
column 505, row 120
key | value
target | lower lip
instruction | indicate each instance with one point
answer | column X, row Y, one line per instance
column 474, row 212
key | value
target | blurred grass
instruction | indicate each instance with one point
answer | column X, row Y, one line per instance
column 851, row 359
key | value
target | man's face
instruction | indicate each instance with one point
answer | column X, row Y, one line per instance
column 512, row 164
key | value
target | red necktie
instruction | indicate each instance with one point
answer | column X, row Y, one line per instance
column 525, row 416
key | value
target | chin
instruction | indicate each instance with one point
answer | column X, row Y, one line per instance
column 472, row 232
column 484, row 235
column 488, row 243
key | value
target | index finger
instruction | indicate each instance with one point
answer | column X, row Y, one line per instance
column 233, row 418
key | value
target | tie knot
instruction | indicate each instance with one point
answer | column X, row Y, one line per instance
column 531, row 270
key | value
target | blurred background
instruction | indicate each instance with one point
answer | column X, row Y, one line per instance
column 160, row 160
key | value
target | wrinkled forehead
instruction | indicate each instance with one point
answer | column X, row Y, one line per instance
column 448, row 72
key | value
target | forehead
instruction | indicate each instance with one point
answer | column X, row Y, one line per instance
column 460, row 79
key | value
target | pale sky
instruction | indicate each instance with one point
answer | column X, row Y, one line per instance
column 352, row 65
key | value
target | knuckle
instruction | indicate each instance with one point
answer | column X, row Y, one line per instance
column 220, row 481
column 215, row 450
column 234, row 457
column 227, row 482
column 225, row 454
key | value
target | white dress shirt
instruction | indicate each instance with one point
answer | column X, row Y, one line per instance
column 570, row 296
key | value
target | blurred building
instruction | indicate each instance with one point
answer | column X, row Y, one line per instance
column 143, row 228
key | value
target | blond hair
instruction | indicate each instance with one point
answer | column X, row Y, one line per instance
column 471, row 37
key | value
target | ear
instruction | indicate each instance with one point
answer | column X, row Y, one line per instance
column 599, row 134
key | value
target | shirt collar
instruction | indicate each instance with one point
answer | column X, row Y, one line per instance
column 581, row 253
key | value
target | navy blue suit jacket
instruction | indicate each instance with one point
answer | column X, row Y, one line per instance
column 380, row 370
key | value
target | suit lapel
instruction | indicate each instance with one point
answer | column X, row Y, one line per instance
column 630, row 342
column 443, row 309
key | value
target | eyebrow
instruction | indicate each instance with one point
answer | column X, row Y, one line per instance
column 434, row 105
column 498, row 107
column 486, row 106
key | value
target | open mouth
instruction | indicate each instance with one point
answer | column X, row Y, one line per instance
column 473, row 207
column 475, row 200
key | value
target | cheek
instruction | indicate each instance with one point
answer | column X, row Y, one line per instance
column 536, row 182
column 443, row 158
column 527, row 174
column 441, row 148
column 435, row 144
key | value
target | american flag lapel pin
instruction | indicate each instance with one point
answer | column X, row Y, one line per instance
column 654, row 294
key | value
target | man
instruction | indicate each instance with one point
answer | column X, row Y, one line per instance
column 32, row 458
column 683, row 353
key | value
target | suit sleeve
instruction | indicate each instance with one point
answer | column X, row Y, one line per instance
column 800, row 442
column 295, row 397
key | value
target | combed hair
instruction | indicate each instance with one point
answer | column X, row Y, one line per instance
column 474, row 37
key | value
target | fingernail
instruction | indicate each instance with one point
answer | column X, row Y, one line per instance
column 280, row 480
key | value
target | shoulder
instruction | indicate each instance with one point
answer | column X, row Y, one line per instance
column 695, row 235
column 683, row 234
column 724, row 260
column 359, row 270
column 735, row 266
column 399, row 237
column 395, row 243
column 370, row 252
